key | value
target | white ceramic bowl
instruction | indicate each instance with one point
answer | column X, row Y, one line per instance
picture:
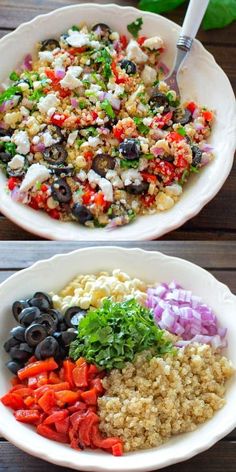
column 201, row 80
column 54, row 274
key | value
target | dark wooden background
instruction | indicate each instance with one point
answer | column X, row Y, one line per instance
column 218, row 257
column 218, row 218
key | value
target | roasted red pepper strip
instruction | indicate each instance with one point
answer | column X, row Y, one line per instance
column 12, row 400
column 47, row 401
column 80, row 375
column 36, row 368
column 56, row 416
column 27, row 416
column 90, row 396
column 66, row 396
column 68, row 369
column 48, row 433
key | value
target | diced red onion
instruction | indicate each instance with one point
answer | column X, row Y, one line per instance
column 157, row 151
column 183, row 314
column 74, row 102
column 101, row 96
column 59, row 73
column 205, row 159
column 40, row 147
column 116, row 45
column 9, row 104
column 164, row 67
column 27, row 63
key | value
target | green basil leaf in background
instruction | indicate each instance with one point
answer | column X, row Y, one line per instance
column 159, row 6
column 219, row 13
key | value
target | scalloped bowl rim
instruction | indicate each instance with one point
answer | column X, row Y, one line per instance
column 188, row 444
column 148, row 226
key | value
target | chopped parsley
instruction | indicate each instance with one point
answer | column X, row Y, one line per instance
column 111, row 335
column 129, row 164
column 74, row 28
column 143, row 129
column 14, row 76
column 9, row 93
column 79, row 142
column 106, row 106
column 104, row 58
column 82, row 104
column 10, row 148
column 36, row 95
column 135, row 27
column 181, row 131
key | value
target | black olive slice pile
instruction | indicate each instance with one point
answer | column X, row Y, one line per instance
column 61, row 191
column 55, row 154
column 102, row 163
column 130, row 148
column 42, row 330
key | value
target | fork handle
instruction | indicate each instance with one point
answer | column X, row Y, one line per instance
column 193, row 18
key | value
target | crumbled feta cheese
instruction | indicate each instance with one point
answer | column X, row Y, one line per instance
column 106, row 188
column 23, row 86
column 21, row 139
column 17, row 162
column 144, row 143
column 35, row 173
column 12, row 118
column 147, row 121
column 163, row 201
column 95, row 44
column 70, row 81
column 174, row 189
column 80, row 162
column 46, row 56
column 35, row 139
column 37, row 84
column 95, row 88
column 93, row 177
column 114, row 179
column 92, row 142
column 75, row 70
column 72, row 137
column 60, row 60
column 48, row 139
column 45, row 103
column 153, row 43
column 24, row 111
column 82, row 175
column 51, row 111
column 77, row 39
column 149, row 75
column 131, row 176
column 135, row 53
column 116, row 89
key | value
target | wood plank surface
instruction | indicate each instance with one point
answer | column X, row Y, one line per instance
column 218, row 218
column 218, row 257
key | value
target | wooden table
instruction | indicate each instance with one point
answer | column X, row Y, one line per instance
column 218, row 218
column 215, row 256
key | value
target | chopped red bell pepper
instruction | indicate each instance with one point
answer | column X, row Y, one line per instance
column 90, row 396
column 117, row 449
column 148, row 200
column 12, row 183
column 174, row 137
column 14, row 401
column 22, row 391
column 66, row 396
column 80, row 375
column 85, row 429
column 47, row 401
column 149, row 177
column 29, row 401
column 68, row 369
column 77, row 407
column 63, row 425
column 58, row 119
column 56, row 416
column 123, row 41
column 207, row 115
column 141, row 40
column 27, row 416
column 97, row 384
column 49, row 433
column 36, row 368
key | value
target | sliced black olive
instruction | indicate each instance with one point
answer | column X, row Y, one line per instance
column 62, row 326
column 55, row 154
column 17, row 308
column 187, row 139
column 81, row 213
column 55, row 314
column 6, row 132
column 62, row 170
column 5, row 157
column 68, row 336
column 44, row 296
column 26, row 348
column 102, row 163
column 130, row 148
column 19, row 354
column 42, row 301
column 61, row 191
column 129, row 66
column 73, row 315
column 63, row 353
column 49, row 347
column 197, row 156
column 12, row 342
column 28, row 315
column 101, row 30
column 55, row 132
column 159, row 99
column 137, row 189
column 57, row 335
column 35, row 333
column 49, row 45
column 18, row 332
column 182, row 116
column 15, row 172
column 111, row 123
column 49, row 323
column 14, row 366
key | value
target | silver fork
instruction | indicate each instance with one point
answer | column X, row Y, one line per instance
column 191, row 24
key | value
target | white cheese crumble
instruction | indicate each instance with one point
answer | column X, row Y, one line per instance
column 78, row 39
column 114, row 179
column 82, row 175
column 106, row 188
column 75, row 70
column 21, row 139
column 17, row 162
column 35, row 173
column 72, row 137
column 149, row 75
column 48, row 139
column 135, row 53
column 70, row 81
column 93, row 177
column 92, row 142
column 45, row 103
column 153, row 43
column 131, row 176
column 46, row 56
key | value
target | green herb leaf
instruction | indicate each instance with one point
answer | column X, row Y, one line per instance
column 80, row 141
column 219, row 13
column 159, row 6
column 104, row 57
column 129, row 164
column 82, row 105
column 90, row 131
column 184, row 177
column 14, row 76
column 106, row 106
column 135, row 27
column 194, row 170
column 10, row 147
column 8, row 94
column 36, row 95
column 74, row 28
column 181, row 131
column 142, row 129
column 111, row 335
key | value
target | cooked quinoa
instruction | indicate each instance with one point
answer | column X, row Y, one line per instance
column 154, row 398
column 90, row 132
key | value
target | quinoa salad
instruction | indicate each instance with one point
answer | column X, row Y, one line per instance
column 110, row 362
column 91, row 133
